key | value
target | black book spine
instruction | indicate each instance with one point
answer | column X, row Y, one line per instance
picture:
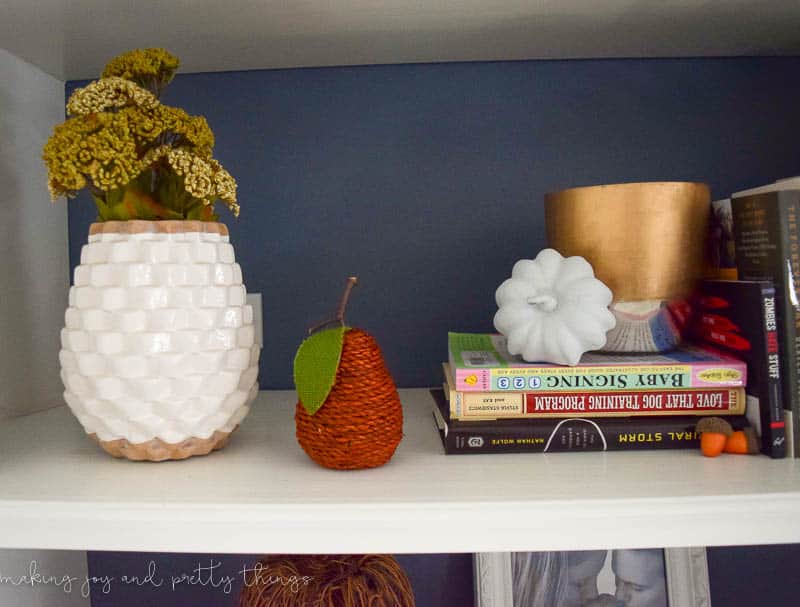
column 739, row 318
column 768, row 248
column 574, row 434
column 568, row 434
column 773, row 429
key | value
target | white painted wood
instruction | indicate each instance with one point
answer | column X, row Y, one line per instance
column 493, row 579
column 686, row 578
column 34, row 278
column 74, row 38
column 34, row 270
column 262, row 494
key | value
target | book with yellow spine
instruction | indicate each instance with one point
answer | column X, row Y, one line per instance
column 531, row 405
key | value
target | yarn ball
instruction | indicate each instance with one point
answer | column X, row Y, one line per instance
column 373, row 580
column 360, row 423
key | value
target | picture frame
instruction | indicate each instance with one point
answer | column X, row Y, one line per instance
column 686, row 578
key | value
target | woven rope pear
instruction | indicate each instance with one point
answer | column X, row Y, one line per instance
column 374, row 580
column 361, row 422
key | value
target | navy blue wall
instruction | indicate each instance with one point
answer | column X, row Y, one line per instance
column 755, row 575
column 427, row 181
column 438, row 580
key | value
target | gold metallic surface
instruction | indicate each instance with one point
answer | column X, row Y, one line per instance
column 645, row 241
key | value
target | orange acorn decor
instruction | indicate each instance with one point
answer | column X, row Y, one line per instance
column 713, row 431
column 717, row 436
column 374, row 580
column 743, row 442
column 348, row 414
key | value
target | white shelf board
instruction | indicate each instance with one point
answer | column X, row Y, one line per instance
column 73, row 39
column 261, row 494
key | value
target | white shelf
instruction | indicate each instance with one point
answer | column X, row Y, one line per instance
column 74, row 40
column 262, row 494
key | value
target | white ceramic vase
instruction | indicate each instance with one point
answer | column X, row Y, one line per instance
column 159, row 358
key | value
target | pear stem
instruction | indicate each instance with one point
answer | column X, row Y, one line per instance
column 348, row 288
column 339, row 318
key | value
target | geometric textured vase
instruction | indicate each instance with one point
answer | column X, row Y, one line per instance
column 159, row 355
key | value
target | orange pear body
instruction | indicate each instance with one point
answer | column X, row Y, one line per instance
column 360, row 423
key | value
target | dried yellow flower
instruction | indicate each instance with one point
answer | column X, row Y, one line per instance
column 180, row 160
column 124, row 145
column 98, row 151
column 146, row 125
column 199, row 185
column 108, row 94
column 225, row 185
column 151, row 68
column 204, row 179
column 193, row 130
column 153, row 155
column 198, row 133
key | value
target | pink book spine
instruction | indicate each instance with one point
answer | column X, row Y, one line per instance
column 720, row 374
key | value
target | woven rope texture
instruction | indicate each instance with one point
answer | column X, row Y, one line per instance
column 361, row 422
column 327, row 581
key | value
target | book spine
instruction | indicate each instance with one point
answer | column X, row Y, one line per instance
column 533, row 405
column 768, row 247
column 773, row 431
column 572, row 434
column 473, row 380
column 792, row 308
column 721, row 374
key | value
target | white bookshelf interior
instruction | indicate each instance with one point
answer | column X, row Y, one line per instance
column 263, row 494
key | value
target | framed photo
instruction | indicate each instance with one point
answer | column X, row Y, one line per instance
column 672, row 577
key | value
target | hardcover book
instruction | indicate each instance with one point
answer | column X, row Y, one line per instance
column 765, row 227
column 566, row 434
column 482, row 363
column 510, row 405
column 721, row 250
column 738, row 317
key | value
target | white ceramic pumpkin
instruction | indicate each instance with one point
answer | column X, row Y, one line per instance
column 553, row 309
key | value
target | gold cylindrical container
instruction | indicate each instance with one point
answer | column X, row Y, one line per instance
column 645, row 241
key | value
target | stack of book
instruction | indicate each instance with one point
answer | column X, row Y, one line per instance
column 739, row 318
column 766, row 229
column 494, row 402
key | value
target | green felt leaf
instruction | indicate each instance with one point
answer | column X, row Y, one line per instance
column 315, row 366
